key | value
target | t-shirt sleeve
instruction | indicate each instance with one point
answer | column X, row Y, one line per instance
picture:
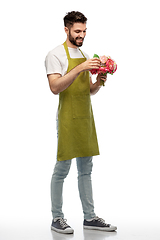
column 52, row 64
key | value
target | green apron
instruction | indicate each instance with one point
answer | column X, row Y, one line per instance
column 76, row 129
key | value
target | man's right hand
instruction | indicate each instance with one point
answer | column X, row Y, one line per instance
column 93, row 63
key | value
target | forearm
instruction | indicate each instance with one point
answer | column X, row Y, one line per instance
column 94, row 88
column 59, row 84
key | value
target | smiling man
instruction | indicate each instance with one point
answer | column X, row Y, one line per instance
column 77, row 29
column 67, row 70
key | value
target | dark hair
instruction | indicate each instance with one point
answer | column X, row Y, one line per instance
column 74, row 17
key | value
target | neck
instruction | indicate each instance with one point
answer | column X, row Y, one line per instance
column 69, row 44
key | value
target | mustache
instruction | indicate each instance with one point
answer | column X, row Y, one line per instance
column 77, row 38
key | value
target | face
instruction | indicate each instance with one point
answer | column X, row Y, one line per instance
column 77, row 33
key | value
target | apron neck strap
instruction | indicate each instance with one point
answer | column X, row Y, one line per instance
column 67, row 52
column 66, row 48
column 82, row 53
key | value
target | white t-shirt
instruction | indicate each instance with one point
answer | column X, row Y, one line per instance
column 56, row 60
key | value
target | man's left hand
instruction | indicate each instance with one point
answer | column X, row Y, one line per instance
column 101, row 77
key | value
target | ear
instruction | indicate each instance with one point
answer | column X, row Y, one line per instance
column 66, row 30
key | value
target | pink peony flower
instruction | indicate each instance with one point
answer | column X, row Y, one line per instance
column 102, row 70
column 111, row 66
column 93, row 71
column 103, row 59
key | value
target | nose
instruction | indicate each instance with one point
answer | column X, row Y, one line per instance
column 82, row 34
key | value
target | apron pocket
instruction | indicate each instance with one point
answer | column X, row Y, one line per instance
column 81, row 106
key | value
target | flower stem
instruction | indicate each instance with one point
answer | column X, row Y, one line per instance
column 102, row 83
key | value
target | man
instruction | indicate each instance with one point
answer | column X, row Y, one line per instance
column 68, row 74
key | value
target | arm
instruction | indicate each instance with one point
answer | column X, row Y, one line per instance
column 94, row 88
column 59, row 83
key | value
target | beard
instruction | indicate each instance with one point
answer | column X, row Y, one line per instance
column 74, row 40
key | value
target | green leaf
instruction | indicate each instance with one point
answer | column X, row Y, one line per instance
column 96, row 56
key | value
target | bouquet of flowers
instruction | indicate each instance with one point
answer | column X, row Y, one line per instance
column 108, row 65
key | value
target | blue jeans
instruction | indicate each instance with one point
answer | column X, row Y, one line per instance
column 61, row 170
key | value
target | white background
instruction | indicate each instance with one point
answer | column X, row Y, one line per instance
column 126, row 174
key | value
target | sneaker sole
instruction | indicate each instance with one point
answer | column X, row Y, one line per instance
column 111, row 229
column 66, row 231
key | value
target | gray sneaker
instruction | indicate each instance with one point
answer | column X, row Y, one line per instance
column 60, row 225
column 98, row 224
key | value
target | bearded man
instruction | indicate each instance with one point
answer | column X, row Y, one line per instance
column 67, row 70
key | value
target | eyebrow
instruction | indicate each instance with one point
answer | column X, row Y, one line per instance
column 80, row 30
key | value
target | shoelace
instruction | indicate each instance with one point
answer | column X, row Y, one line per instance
column 101, row 220
column 62, row 222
